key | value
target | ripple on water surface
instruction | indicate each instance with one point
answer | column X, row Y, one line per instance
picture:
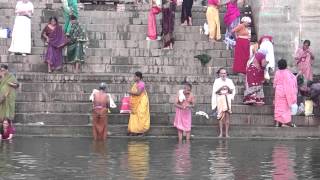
column 82, row 158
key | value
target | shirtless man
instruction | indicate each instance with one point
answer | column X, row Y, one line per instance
column 99, row 113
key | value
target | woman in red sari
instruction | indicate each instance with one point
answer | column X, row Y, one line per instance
column 168, row 15
column 304, row 59
column 7, row 130
column 242, row 49
column 54, row 37
column 255, row 78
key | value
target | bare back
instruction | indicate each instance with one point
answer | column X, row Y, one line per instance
column 100, row 100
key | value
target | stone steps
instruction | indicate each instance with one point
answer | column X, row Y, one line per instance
column 85, row 107
column 84, row 97
column 140, row 44
column 120, row 60
column 156, row 119
column 138, row 52
column 197, row 131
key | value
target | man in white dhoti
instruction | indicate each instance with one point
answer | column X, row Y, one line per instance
column 21, row 33
column 223, row 91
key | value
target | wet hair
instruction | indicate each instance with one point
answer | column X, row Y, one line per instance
column 53, row 18
column 73, row 17
column 218, row 72
column 307, row 42
column 188, row 84
column 282, row 64
column 138, row 74
column 102, row 86
column 4, row 66
column 9, row 124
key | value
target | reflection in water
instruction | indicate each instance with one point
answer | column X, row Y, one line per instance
column 183, row 164
column 138, row 159
column 98, row 164
column 220, row 165
column 283, row 163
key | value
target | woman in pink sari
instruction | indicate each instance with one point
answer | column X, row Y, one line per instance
column 7, row 130
column 152, row 23
column 304, row 59
column 183, row 103
column 286, row 89
column 231, row 20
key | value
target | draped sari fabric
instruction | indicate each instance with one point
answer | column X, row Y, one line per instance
column 139, row 121
column 255, row 78
column 152, row 23
column 7, row 97
column 304, row 63
column 231, row 20
column 286, row 89
column 75, row 48
column 69, row 7
column 213, row 22
column 56, row 42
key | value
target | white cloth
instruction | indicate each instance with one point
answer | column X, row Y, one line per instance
column 111, row 101
column 267, row 46
column 218, row 83
column 21, row 33
column 181, row 97
column 202, row 113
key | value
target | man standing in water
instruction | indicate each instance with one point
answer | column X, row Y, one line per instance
column 223, row 91
column 99, row 113
column 8, row 85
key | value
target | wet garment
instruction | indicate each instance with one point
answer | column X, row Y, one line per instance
column 223, row 92
column 183, row 117
column 100, row 123
column 139, row 121
column 7, row 96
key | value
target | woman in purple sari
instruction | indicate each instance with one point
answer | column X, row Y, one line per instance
column 54, row 37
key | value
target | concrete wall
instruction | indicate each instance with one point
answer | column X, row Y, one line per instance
column 289, row 22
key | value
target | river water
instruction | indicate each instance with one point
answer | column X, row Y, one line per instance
column 39, row 158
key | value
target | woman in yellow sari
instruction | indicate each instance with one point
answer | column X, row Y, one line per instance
column 139, row 121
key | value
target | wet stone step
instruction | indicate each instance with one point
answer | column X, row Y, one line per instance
column 197, row 131
column 155, row 119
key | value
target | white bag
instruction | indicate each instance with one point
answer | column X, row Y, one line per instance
column 294, row 109
column 206, row 29
column 3, row 33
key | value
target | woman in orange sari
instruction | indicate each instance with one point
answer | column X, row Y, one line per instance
column 139, row 121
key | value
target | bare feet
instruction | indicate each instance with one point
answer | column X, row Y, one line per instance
column 227, row 136
column 220, row 136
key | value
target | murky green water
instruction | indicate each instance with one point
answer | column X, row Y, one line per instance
column 81, row 158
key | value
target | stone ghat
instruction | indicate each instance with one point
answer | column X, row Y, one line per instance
column 57, row 104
